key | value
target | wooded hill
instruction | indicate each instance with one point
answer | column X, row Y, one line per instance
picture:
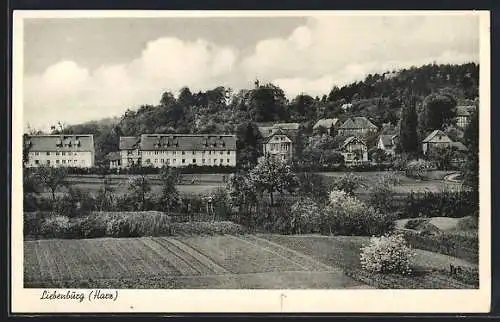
column 220, row 110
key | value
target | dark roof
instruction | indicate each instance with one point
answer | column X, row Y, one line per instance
column 327, row 123
column 61, row 142
column 387, row 139
column 359, row 122
column 464, row 110
column 289, row 128
column 111, row 156
column 129, row 142
column 352, row 139
column 277, row 132
column 195, row 142
column 433, row 134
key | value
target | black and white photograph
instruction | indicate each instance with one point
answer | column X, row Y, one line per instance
column 251, row 151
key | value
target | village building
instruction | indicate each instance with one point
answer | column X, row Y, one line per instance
column 278, row 146
column 114, row 159
column 357, row 126
column 463, row 116
column 178, row 150
column 354, row 150
column 61, row 150
column 328, row 124
column 439, row 140
column 388, row 143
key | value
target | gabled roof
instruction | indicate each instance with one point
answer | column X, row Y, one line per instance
column 327, row 123
column 277, row 132
column 435, row 133
column 388, row 139
column 352, row 139
column 464, row 110
column 194, row 142
column 358, row 122
column 60, row 142
column 129, row 142
column 290, row 128
column 287, row 126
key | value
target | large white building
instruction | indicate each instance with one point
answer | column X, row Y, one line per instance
column 178, row 150
column 64, row 150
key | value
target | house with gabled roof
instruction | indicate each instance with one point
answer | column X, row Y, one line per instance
column 388, row 143
column 278, row 145
column 60, row 150
column 354, row 150
column 463, row 115
column 436, row 139
column 328, row 124
column 178, row 150
column 357, row 126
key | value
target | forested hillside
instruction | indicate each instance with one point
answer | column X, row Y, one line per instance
column 379, row 97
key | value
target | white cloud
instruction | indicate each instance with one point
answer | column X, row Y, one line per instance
column 326, row 51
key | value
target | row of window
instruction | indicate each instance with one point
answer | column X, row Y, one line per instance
column 58, row 153
column 61, row 162
column 203, row 161
column 279, row 147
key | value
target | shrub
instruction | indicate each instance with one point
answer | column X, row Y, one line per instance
column 346, row 215
column 387, row 254
column 468, row 223
column 207, row 228
column 454, row 204
column 347, row 183
column 417, row 169
column 56, row 227
column 305, row 217
column 415, row 223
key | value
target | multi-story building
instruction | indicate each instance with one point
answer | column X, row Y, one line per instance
column 278, row 145
column 178, row 150
column 388, row 143
column 328, row 124
column 463, row 116
column 65, row 150
column 354, row 150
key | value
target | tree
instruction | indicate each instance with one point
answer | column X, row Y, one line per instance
column 439, row 111
column 313, row 185
column 169, row 193
column 52, row 178
column 105, row 195
column 248, row 144
column 273, row 176
column 471, row 138
column 379, row 156
column 408, row 137
column 139, row 187
column 348, row 183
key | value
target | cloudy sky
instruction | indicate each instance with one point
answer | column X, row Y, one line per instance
column 83, row 69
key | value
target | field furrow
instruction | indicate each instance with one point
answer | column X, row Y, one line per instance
column 117, row 263
column 215, row 268
column 198, row 266
column 177, row 260
column 95, row 265
column 155, row 262
column 71, row 252
column 48, row 264
column 134, row 253
column 61, row 261
column 306, row 261
column 160, row 255
column 31, row 264
column 134, row 266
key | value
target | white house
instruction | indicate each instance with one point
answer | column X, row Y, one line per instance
column 354, row 150
column 62, row 150
column 278, row 145
column 437, row 139
column 463, row 116
column 178, row 150
column 388, row 143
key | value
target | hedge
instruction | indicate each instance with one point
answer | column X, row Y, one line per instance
column 190, row 169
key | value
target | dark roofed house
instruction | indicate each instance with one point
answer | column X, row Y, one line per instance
column 65, row 150
column 130, row 152
column 357, row 126
column 388, row 143
column 114, row 159
column 354, row 150
column 436, row 139
column 278, row 139
column 328, row 124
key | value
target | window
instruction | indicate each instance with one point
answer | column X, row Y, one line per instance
column 48, row 153
column 183, row 160
column 228, row 161
column 36, row 153
column 209, row 152
column 203, row 161
column 221, row 152
column 194, row 160
column 74, row 153
column 174, row 153
column 162, row 161
column 148, row 160
column 168, row 161
column 63, row 161
column 37, row 162
column 75, row 161
column 174, row 160
column 221, row 160
column 48, row 162
column 156, row 160
column 156, row 152
column 183, row 152
column 129, row 152
column 57, row 161
column 194, row 152
column 228, row 152
column 57, row 153
column 63, row 153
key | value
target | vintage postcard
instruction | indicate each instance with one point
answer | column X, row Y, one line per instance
column 250, row 161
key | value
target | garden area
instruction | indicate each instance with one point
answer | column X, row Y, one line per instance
column 346, row 229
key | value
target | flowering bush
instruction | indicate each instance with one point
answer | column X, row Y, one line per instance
column 387, row 254
column 417, row 168
column 305, row 216
column 347, row 215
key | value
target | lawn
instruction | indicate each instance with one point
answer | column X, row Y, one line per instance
column 242, row 261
